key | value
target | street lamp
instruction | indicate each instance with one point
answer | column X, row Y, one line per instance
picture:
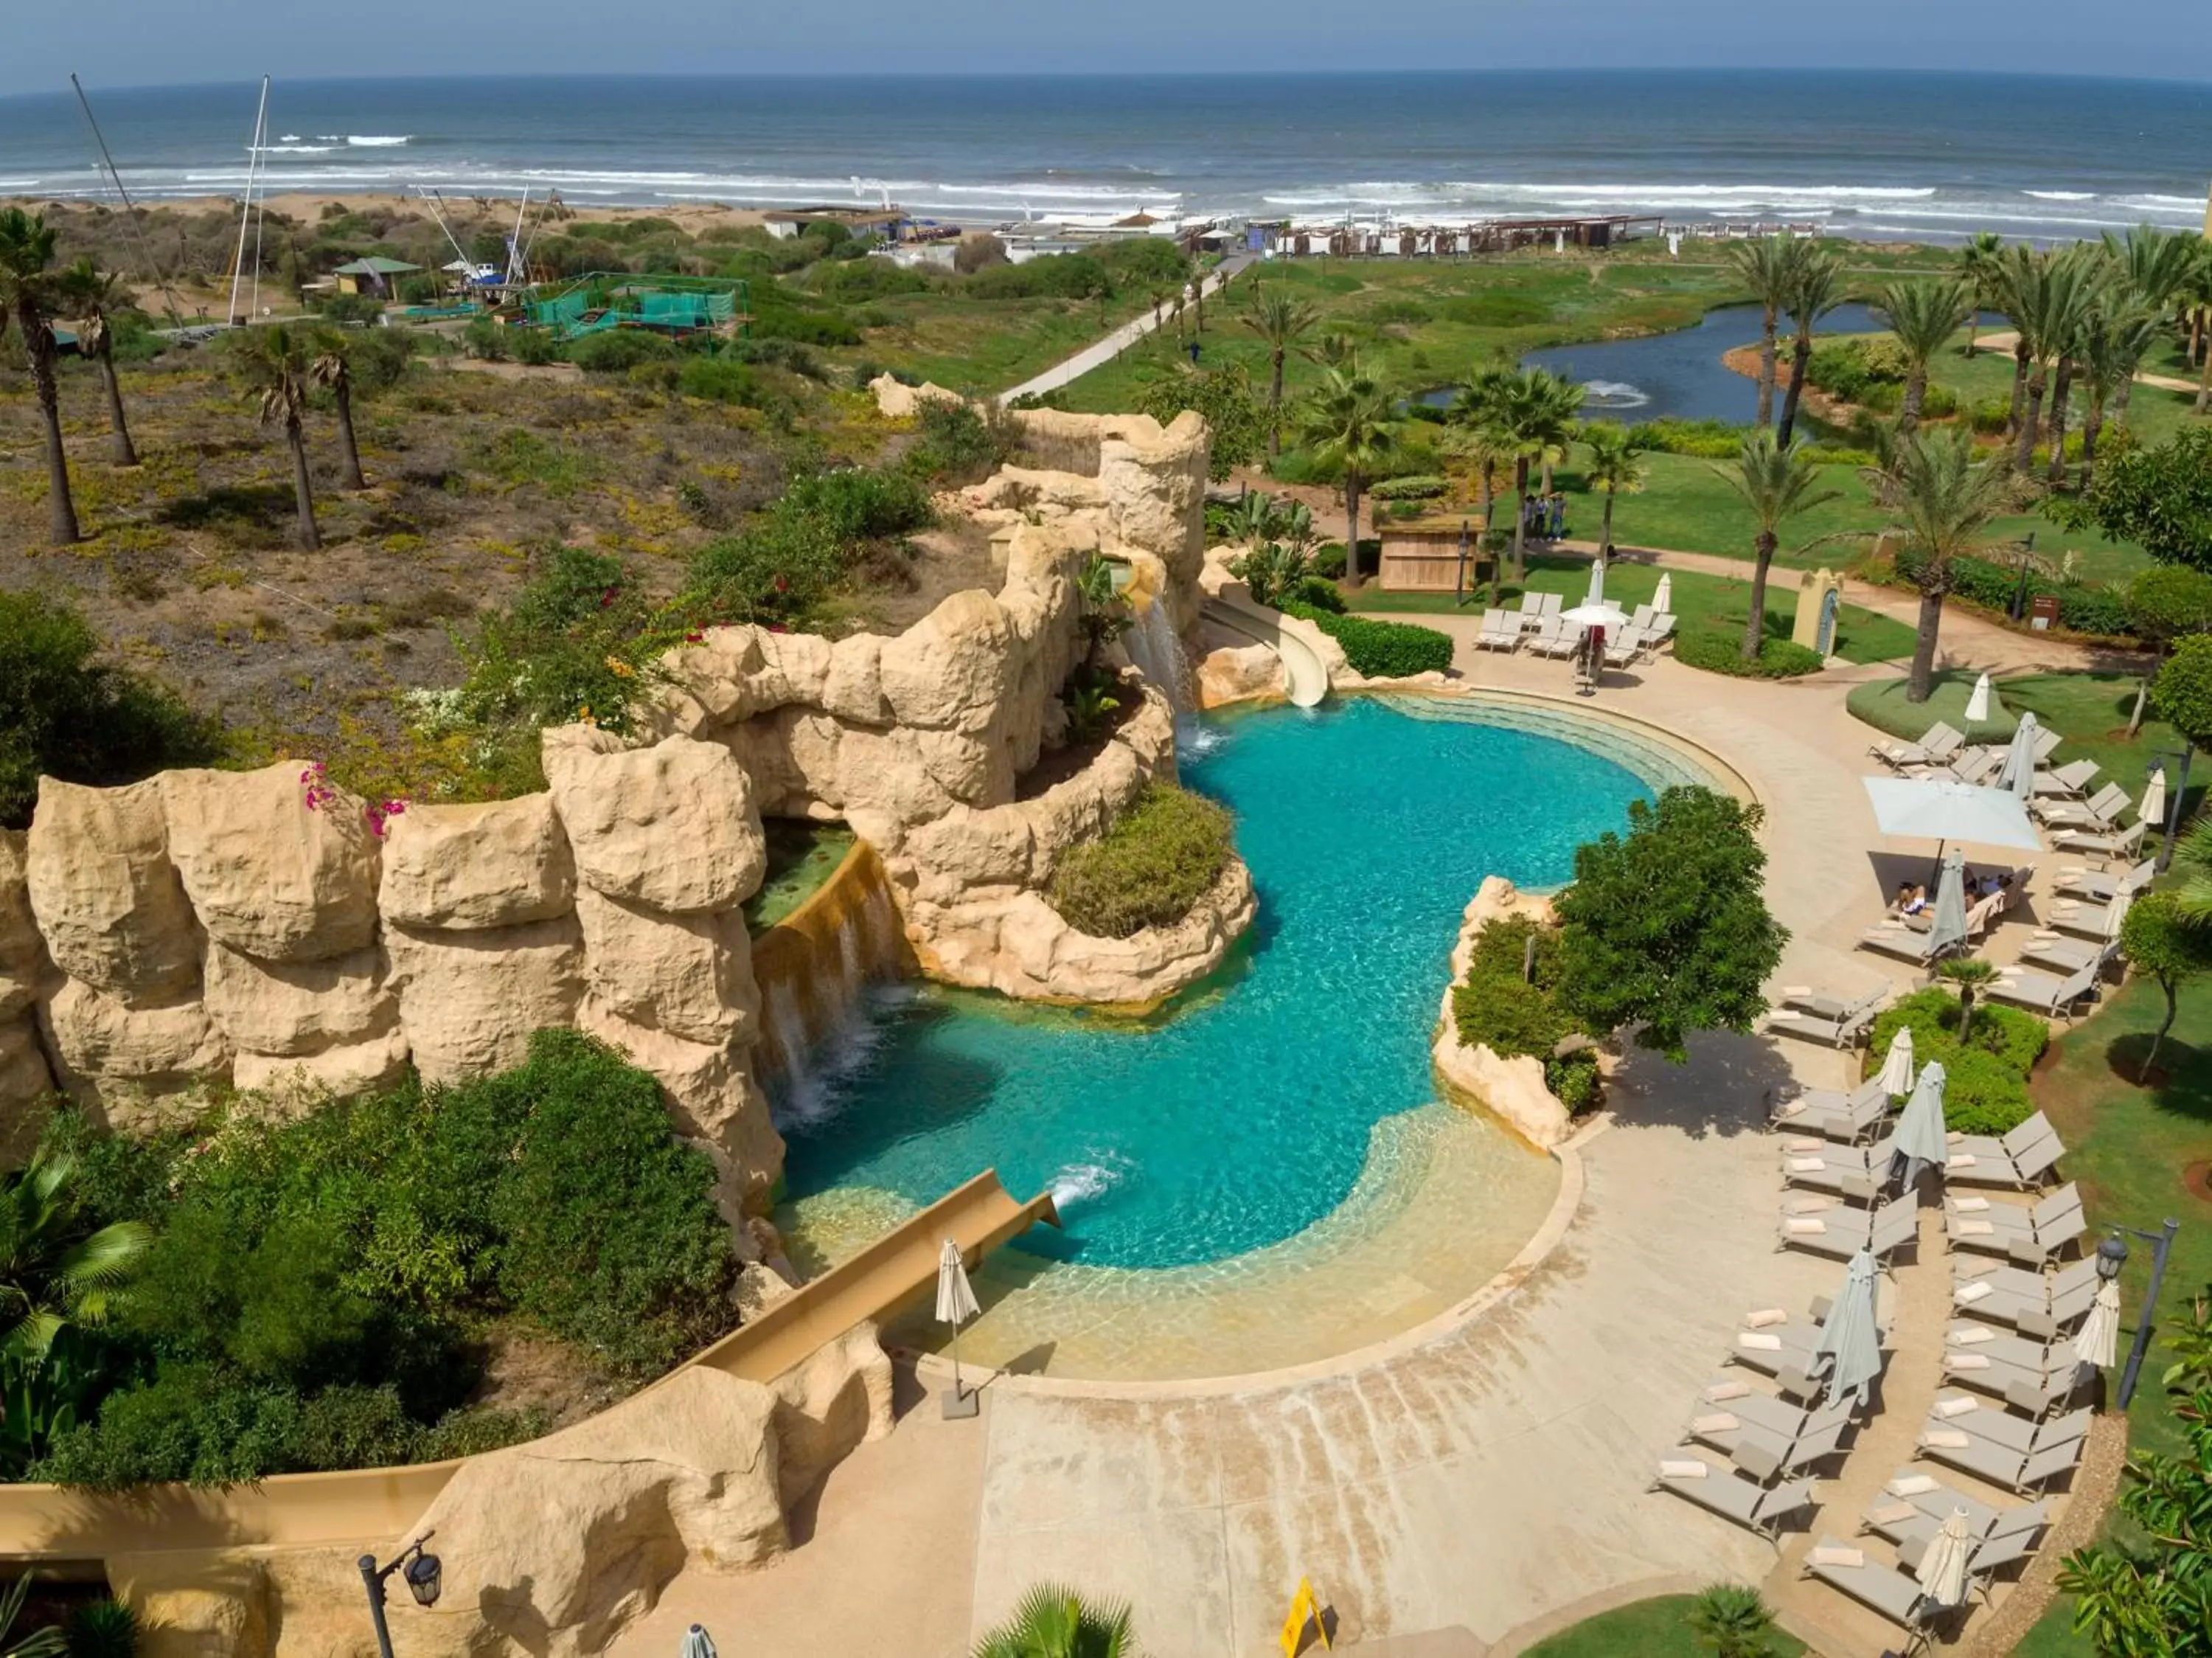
column 2111, row 1256
column 2173, row 824
column 417, row 1568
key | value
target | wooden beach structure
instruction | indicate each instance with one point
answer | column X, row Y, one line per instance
column 1437, row 553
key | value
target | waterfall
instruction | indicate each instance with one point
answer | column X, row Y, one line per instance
column 1158, row 654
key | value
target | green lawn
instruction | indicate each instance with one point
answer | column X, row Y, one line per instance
column 1657, row 1628
column 1860, row 635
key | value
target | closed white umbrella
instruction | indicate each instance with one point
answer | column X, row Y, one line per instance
column 2153, row 810
column 1662, row 596
column 1943, row 1571
column 697, row 1643
column 2017, row 774
column 1897, row 1066
column 1928, row 808
column 1919, row 1137
column 1949, row 926
column 1597, row 594
column 1851, row 1336
column 1977, row 705
column 956, row 1305
column 2098, row 1342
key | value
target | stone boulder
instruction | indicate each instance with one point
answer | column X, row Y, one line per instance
column 107, row 900
column 949, row 671
column 501, row 864
column 1511, row 1089
column 836, row 1400
column 196, row 1604
column 896, row 400
column 470, row 1000
column 103, row 1040
column 297, row 1007
column 338, row 1071
column 1236, row 674
column 24, row 969
column 267, row 872
column 689, row 975
column 674, row 825
column 24, row 1080
column 712, row 1097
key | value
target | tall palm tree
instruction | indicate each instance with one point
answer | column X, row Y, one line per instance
column 26, row 248
column 1816, row 288
column 1331, row 350
column 2114, row 337
column 2156, row 264
column 1282, row 321
column 2058, row 301
column 1347, row 423
column 2196, row 292
column 1537, row 423
column 1476, row 422
column 273, row 364
column 1616, row 467
column 2017, row 281
column 1054, row 1621
column 1777, row 480
column 1940, row 499
column 1978, row 263
column 2091, row 283
column 89, row 294
column 1923, row 315
column 1766, row 266
column 332, row 367
column 56, row 1271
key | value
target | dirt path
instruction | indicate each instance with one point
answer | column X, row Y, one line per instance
column 2002, row 344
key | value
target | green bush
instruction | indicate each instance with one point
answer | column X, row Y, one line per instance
column 2084, row 607
column 1495, row 309
column 102, row 1629
column 1713, row 439
column 1381, row 650
column 1417, row 486
column 1495, row 1007
column 1160, row 856
column 1054, row 276
column 1991, row 417
column 719, row 379
column 618, row 351
column 486, row 339
column 1719, row 649
column 804, row 547
column 1985, row 1089
column 68, row 716
column 806, row 327
column 1320, row 592
column 1328, row 560
column 956, row 444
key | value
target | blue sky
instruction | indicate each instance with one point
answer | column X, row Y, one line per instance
column 156, row 42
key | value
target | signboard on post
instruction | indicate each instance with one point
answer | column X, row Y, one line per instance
column 2043, row 611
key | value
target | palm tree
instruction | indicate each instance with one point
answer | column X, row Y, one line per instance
column 2018, row 282
column 2088, row 284
column 1732, row 1621
column 1616, row 468
column 1054, row 1621
column 1923, row 315
column 1815, row 290
column 272, row 362
column 2114, row 340
column 1969, row 973
column 54, row 1271
column 1767, row 265
column 1977, row 265
column 1282, row 321
column 90, row 294
column 2198, row 293
column 1776, row 480
column 1536, row 421
column 1331, row 351
column 2054, row 307
column 332, row 366
column 1939, row 500
column 1347, row 423
column 26, row 248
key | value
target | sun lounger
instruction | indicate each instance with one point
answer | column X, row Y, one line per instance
column 2090, row 921
column 1660, row 630
column 2111, row 844
column 2020, row 1158
column 2069, row 782
column 2052, row 995
column 2100, row 812
column 1940, row 742
column 1642, row 617
column 1501, row 631
column 2032, row 1303
column 2102, row 886
column 1763, row 1411
column 1838, row 1020
column 1721, row 1491
column 2026, row 1236
column 1893, row 1593
column 1827, row 1114
column 1913, row 1506
column 1553, row 638
column 1824, row 1227
column 1963, row 1414
column 2015, row 1471
column 1860, row 1172
column 1892, row 937
column 1625, row 646
column 1974, row 766
column 1767, row 1453
column 1538, row 611
column 2067, row 955
column 2033, row 1377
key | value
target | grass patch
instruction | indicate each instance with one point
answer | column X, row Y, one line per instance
column 1160, row 856
column 1882, row 705
column 1657, row 1628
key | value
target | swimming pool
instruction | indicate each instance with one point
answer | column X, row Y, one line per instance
column 1248, row 1112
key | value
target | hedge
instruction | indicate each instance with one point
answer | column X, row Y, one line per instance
column 1381, row 650
column 2082, row 607
column 1720, row 650
column 1159, row 858
column 1985, row 1086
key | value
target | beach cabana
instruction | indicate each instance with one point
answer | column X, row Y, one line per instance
column 373, row 275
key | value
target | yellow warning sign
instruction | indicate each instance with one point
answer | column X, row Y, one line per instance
column 1305, row 1608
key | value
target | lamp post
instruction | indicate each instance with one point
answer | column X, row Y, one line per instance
column 2111, row 1256
column 2174, row 803
column 419, row 1571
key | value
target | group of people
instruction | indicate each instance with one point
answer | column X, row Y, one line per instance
column 1912, row 899
column 1544, row 517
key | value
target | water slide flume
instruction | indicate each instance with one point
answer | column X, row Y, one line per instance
column 1305, row 676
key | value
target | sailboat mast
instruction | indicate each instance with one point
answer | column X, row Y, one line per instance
column 130, row 207
column 246, row 214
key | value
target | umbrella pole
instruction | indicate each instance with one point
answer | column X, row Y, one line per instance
column 959, row 1402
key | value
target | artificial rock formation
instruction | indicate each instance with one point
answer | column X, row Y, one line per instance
column 1510, row 1089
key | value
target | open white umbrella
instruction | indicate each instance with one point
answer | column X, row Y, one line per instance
column 1943, row 1571
column 1977, row 705
column 2098, row 1342
column 1603, row 614
column 1849, row 1335
column 1919, row 1136
column 2018, row 773
column 1949, row 923
column 1897, row 1065
column 1942, row 809
column 697, row 1643
column 1597, row 594
column 1662, row 596
column 2153, row 810
column 956, row 1305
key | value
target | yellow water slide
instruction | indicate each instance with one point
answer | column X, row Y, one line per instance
column 1305, row 676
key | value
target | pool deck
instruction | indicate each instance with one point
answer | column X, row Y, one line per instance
column 1452, row 1496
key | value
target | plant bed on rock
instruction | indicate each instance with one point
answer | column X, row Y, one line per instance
column 1162, row 855
column 1495, row 1006
column 1986, row 1090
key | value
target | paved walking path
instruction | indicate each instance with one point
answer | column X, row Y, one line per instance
column 2002, row 344
column 1105, row 350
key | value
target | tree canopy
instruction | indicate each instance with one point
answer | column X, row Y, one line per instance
column 1667, row 927
column 2182, row 693
column 2161, row 498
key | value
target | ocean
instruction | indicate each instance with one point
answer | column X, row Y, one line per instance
column 1918, row 157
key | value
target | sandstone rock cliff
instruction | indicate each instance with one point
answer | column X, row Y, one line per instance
column 1511, row 1089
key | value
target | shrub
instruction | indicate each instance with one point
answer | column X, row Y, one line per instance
column 1328, row 560
column 1985, row 1088
column 978, row 253
column 859, row 503
column 103, row 1629
column 806, row 327
column 1319, row 593
column 1381, row 650
column 1713, row 439
column 68, row 716
column 1416, row 487
column 1495, row 310
column 2087, row 608
column 1991, row 417
column 1160, row 856
column 719, row 379
column 1054, row 276
column 618, row 351
column 1495, row 1006
column 1720, row 650
column 536, row 346
column 956, row 444
column 485, row 339
column 1235, row 416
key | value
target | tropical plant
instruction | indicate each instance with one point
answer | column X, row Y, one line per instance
column 1617, row 467
column 1281, row 320
column 2181, row 695
column 1731, row 1620
column 1054, row 1621
column 1969, row 973
column 1777, row 480
column 331, row 366
column 272, row 364
column 1476, row 433
column 1977, row 265
column 1939, row 500
column 1815, row 289
column 1105, row 612
column 1347, row 424
column 89, row 294
column 2017, row 275
column 48, row 1643
column 2158, row 939
column 2085, row 287
column 2115, row 335
column 26, row 297
column 1273, row 572
column 1537, row 423
column 105, row 1629
column 1768, row 266
column 57, row 1271
column 1923, row 315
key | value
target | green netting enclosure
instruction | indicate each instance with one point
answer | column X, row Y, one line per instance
column 612, row 300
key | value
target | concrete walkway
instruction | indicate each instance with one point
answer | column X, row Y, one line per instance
column 1105, row 350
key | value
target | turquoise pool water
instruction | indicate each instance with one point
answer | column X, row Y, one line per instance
column 1245, row 1116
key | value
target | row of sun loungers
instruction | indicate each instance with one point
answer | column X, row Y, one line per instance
column 2021, row 1160
column 1503, row 630
column 2025, row 1236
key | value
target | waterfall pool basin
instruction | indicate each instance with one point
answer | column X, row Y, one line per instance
column 1275, row 1131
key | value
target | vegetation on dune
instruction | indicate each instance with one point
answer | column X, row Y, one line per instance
column 1163, row 854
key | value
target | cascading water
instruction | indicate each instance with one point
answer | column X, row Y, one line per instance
column 1158, row 653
